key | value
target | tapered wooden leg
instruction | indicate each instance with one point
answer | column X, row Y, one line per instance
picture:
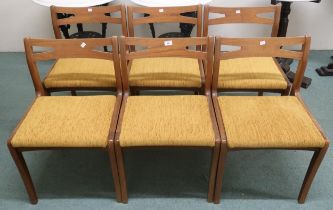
column 316, row 160
column 73, row 92
column 24, row 172
column 260, row 93
column 113, row 163
column 220, row 173
column 213, row 171
column 121, row 172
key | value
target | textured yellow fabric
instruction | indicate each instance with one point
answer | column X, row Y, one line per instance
column 167, row 121
column 250, row 73
column 268, row 122
column 165, row 72
column 81, row 72
column 66, row 121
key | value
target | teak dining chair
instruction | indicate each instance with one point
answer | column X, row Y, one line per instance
column 166, row 121
column 267, row 122
column 83, row 73
column 171, row 73
column 259, row 74
column 67, row 122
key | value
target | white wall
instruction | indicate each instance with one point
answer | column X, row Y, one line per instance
column 19, row 19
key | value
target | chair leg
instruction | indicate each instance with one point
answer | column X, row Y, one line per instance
column 121, row 172
column 260, row 93
column 220, row 173
column 316, row 160
column 73, row 92
column 24, row 172
column 213, row 171
column 113, row 163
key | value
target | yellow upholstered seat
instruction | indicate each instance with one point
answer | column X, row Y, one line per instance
column 165, row 72
column 167, row 121
column 81, row 72
column 66, row 121
column 251, row 73
column 268, row 122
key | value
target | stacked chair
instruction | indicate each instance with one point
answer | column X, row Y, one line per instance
column 202, row 65
column 165, row 73
column 262, row 74
column 72, row 74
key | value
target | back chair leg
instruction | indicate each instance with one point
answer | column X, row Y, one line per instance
column 220, row 173
column 316, row 160
column 121, row 172
column 115, row 174
column 73, row 92
column 213, row 171
column 24, row 172
column 260, row 93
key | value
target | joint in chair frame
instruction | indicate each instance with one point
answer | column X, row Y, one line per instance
column 267, row 122
column 67, row 122
column 261, row 74
column 164, row 121
column 150, row 73
column 82, row 73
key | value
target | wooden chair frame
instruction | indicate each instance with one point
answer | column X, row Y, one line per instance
column 157, row 48
column 247, row 15
column 64, row 49
column 163, row 15
column 68, row 49
column 88, row 15
column 250, row 47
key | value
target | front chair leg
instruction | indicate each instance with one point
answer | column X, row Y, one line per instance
column 24, row 172
column 121, row 171
column 316, row 160
column 213, row 171
column 114, row 169
column 220, row 173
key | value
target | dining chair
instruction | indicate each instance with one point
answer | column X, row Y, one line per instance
column 259, row 74
column 67, row 122
column 169, row 121
column 267, row 122
column 170, row 73
column 84, row 73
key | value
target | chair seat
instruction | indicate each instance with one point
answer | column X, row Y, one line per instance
column 165, row 72
column 268, row 122
column 81, row 73
column 66, row 121
column 167, row 121
column 251, row 73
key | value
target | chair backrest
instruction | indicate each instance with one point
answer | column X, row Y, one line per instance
column 248, row 15
column 163, row 15
column 167, row 47
column 100, row 14
column 263, row 47
column 53, row 49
